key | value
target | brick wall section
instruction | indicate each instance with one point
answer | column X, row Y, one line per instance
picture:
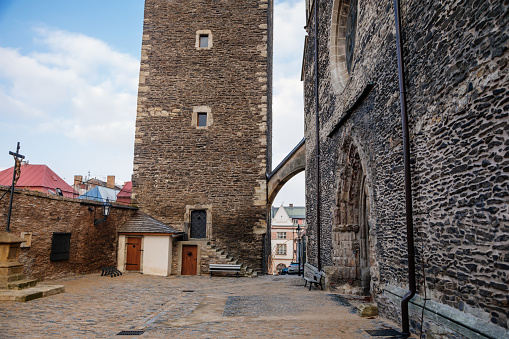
column 92, row 247
column 224, row 165
column 456, row 59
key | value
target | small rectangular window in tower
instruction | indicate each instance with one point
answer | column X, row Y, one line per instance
column 204, row 40
column 202, row 119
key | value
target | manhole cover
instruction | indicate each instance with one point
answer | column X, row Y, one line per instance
column 130, row 332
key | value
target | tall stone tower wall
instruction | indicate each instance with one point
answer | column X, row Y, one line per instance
column 180, row 166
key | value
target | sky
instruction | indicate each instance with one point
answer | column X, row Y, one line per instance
column 69, row 80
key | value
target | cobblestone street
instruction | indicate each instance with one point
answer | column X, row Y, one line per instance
column 95, row 306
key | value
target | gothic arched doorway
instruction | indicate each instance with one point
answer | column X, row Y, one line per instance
column 351, row 248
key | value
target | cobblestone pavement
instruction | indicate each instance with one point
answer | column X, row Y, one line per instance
column 95, row 306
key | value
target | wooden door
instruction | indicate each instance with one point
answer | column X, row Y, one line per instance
column 189, row 259
column 133, row 257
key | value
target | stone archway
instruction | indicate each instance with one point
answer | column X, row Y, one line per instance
column 293, row 164
column 351, row 243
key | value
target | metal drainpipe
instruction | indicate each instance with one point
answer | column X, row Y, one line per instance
column 408, row 183
column 317, row 121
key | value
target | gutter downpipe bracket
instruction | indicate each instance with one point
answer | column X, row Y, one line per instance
column 405, row 323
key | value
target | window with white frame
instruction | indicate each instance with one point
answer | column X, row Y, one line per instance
column 202, row 117
column 203, row 39
column 281, row 249
column 281, row 235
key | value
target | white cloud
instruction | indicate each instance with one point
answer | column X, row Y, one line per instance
column 288, row 104
column 74, row 93
column 78, row 87
column 289, row 22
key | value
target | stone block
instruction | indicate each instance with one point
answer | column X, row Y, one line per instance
column 367, row 310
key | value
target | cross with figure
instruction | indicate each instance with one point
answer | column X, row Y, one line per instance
column 15, row 176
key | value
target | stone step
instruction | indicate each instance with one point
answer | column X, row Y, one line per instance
column 21, row 284
column 227, row 258
column 31, row 293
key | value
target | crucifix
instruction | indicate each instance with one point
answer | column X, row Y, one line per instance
column 15, row 176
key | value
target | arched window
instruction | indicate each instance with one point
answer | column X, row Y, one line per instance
column 342, row 44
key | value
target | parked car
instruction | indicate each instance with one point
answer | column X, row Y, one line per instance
column 294, row 268
column 284, row 271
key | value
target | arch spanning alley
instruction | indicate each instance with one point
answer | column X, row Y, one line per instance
column 294, row 163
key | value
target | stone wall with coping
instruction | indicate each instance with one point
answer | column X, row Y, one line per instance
column 456, row 55
column 91, row 247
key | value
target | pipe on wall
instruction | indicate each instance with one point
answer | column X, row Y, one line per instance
column 405, row 323
column 317, row 121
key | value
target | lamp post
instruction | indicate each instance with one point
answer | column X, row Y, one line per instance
column 106, row 212
column 298, row 246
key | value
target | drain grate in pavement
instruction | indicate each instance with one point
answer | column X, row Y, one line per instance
column 384, row 333
column 132, row 332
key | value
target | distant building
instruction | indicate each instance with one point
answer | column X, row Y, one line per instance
column 100, row 193
column 284, row 235
column 82, row 186
column 38, row 178
column 124, row 196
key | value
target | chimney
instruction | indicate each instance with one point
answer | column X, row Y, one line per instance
column 78, row 180
column 291, row 205
column 110, row 183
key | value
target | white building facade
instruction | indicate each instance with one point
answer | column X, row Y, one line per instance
column 286, row 225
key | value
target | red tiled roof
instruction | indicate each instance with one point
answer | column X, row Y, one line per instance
column 124, row 196
column 126, row 190
column 37, row 178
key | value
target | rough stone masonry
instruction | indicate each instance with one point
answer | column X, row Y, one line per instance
column 203, row 127
column 455, row 54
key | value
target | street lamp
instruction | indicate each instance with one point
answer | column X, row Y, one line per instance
column 106, row 212
column 298, row 246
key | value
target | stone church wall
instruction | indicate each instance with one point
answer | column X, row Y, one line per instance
column 221, row 167
column 91, row 247
column 456, row 55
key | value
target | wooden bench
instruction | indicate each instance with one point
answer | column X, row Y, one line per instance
column 224, row 268
column 313, row 276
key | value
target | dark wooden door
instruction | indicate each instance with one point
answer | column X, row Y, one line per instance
column 198, row 224
column 189, row 259
column 133, row 254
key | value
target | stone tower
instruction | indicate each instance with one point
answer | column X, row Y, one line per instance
column 203, row 127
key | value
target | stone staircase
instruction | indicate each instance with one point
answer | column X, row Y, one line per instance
column 13, row 284
column 218, row 255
